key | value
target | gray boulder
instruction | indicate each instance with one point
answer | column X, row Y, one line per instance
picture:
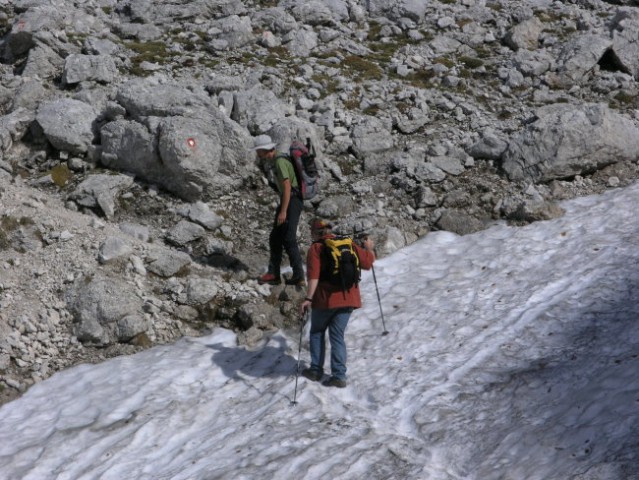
column 459, row 222
column 184, row 232
column 230, row 32
column 257, row 109
column 395, row 10
column 43, row 62
column 274, row 19
column 625, row 26
column 195, row 157
column 146, row 98
column 167, row 263
column 97, row 68
column 101, row 190
column 13, row 127
column 113, row 248
column 67, row 124
column 568, row 140
column 371, row 135
column 105, row 310
column 525, row 35
column 490, row 146
column 579, row 56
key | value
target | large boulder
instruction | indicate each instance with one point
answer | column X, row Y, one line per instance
column 67, row 124
column 194, row 157
column 579, row 57
column 395, row 10
column 258, row 109
column 147, row 98
column 568, row 140
column 625, row 26
column 97, row 68
column 106, row 311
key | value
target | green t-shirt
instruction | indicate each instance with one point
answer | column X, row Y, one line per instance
column 284, row 169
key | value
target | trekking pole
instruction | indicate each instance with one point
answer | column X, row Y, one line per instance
column 303, row 320
column 363, row 237
column 379, row 301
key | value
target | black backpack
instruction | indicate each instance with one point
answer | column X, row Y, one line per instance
column 339, row 262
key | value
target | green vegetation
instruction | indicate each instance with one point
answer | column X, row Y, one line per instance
column 471, row 63
column 374, row 28
column 328, row 83
column 60, row 174
column 445, row 61
column 362, row 69
column 623, row 99
column 152, row 52
column 277, row 56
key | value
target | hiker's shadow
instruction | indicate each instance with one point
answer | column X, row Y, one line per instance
column 269, row 361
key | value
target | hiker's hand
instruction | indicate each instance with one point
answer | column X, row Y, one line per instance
column 368, row 244
column 305, row 306
column 281, row 218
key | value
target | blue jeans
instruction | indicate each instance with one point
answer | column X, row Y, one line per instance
column 335, row 320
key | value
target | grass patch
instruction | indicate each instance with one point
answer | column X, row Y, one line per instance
column 277, row 56
column 373, row 110
column 471, row 62
column 362, row 68
column 445, row 61
column 374, row 28
column 152, row 52
column 420, row 78
column 623, row 99
column 329, row 84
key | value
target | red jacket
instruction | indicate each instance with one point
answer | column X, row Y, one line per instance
column 330, row 296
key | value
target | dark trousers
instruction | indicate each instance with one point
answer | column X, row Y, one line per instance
column 284, row 238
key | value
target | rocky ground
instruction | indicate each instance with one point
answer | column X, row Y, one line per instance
column 133, row 212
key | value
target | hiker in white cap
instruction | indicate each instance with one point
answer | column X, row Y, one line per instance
column 283, row 235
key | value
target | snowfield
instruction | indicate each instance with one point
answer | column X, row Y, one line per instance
column 513, row 353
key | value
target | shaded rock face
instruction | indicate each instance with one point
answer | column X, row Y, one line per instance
column 133, row 210
column 566, row 141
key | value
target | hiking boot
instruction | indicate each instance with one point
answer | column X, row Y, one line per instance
column 312, row 374
column 294, row 280
column 269, row 278
column 334, row 382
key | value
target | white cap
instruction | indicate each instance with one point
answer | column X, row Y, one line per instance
column 263, row 142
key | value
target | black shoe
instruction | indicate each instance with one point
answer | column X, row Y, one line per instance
column 297, row 281
column 312, row 374
column 334, row 382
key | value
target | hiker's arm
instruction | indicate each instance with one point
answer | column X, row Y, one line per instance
column 312, row 286
column 366, row 253
column 286, row 198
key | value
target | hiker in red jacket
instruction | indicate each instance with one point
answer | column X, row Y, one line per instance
column 331, row 305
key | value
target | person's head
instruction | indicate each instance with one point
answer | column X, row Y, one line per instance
column 320, row 228
column 264, row 146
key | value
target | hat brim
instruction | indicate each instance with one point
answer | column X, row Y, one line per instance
column 268, row 146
